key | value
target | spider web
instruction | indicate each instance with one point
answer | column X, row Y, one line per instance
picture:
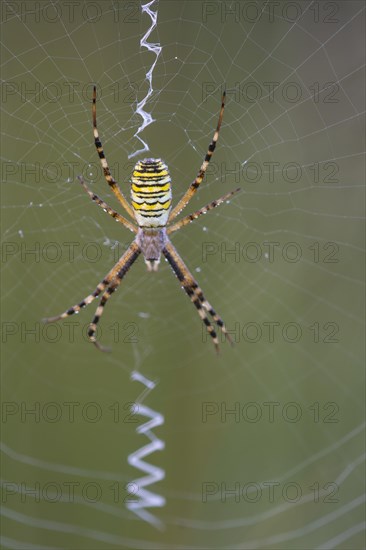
column 263, row 444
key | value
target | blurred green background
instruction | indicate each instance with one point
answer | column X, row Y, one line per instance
column 285, row 469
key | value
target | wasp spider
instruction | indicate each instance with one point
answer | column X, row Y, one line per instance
column 151, row 208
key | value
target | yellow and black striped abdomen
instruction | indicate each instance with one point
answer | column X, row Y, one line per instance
column 151, row 193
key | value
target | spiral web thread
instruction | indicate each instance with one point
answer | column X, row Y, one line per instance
column 156, row 48
column 147, row 499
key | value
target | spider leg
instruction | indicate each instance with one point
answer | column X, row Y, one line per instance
column 125, row 263
column 107, row 208
column 195, row 293
column 107, row 173
column 196, row 183
column 188, row 219
column 101, row 286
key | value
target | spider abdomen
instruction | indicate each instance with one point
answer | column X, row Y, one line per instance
column 151, row 193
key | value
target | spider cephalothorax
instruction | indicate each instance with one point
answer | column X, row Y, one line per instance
column 151, row 198
column 152, row 243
